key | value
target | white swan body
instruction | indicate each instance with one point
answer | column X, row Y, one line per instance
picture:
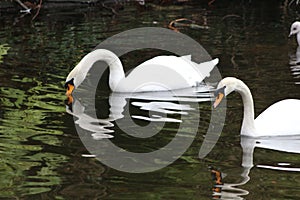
column 280, row 119
column 295, row 30
column 157, row 74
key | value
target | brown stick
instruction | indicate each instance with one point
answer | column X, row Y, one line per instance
column 172, row 23
column 38, row 11
column 177, row 22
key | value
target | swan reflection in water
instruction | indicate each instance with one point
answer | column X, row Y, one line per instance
column 295, row 58
column 163, row 105
column 290, row 144
column 176, row 112
column 295, row 64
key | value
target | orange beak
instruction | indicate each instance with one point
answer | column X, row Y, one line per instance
column 218, row 99
column 70, row 100
column 70, row 89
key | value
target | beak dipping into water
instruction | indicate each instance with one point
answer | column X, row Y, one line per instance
column 70, row 87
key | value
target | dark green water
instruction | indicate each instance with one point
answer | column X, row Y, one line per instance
column 41, row 152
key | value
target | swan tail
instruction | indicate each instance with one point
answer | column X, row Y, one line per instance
column 215, row 61
column 206, row 67
column 187, row 57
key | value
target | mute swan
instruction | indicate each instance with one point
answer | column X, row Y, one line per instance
column 295, row 29
column 157, row 74
column 280, row 119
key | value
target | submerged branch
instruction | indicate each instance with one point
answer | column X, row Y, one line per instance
column 184, row 22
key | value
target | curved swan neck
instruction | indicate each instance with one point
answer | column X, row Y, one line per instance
column 116, row 72
column 248, row 127
column 298, row 38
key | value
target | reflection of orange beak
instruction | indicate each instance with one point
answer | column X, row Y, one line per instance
column 70, row 89
column 218, row 99
column 217, row 177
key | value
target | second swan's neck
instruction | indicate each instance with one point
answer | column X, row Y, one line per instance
column 248, row 127
column 116, row 72
column 298, row 38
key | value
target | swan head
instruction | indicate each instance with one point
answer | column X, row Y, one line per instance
column 295, row 28
column 75, row 78
column 224, row 88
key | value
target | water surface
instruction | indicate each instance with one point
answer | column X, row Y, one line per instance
column 42, row 156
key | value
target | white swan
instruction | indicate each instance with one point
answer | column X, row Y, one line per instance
column 157, row 74
column 281, row 118
column 295, row 30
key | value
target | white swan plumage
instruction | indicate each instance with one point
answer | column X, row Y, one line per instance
column 157, row 74
column 295, row 30
column 280, row 119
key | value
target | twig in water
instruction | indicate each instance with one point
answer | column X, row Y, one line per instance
column 38, row 11
column 109, row 8
column 27, row 10
column 178, row 23
column 231, row 15
column 172, row 24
